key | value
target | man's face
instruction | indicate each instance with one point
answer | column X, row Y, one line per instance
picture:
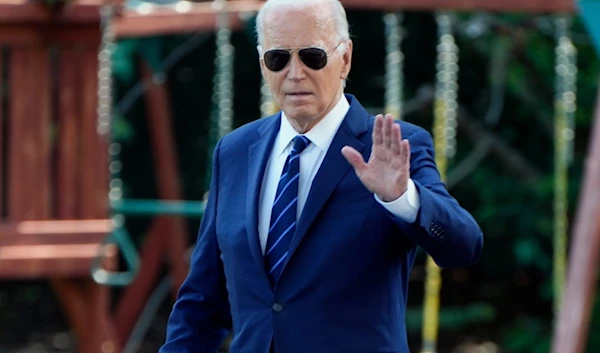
column 305, row 95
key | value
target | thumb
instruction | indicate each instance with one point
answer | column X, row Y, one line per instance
column 354, row 158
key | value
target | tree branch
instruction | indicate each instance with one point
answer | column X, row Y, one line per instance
column 510, row 157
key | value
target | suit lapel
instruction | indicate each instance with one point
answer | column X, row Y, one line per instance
column 333, row 168
column 258, row 155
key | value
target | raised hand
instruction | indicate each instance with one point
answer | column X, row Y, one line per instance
column 387, row 172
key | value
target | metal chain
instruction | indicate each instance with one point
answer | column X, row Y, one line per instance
column 444, row 133
column 267, row 104
column 447, row 84
column 394, row 64
column 566, row 71
column 221, row 119
column 565, row 107
column 104, row 109
column 107, row 47
column 223, row 95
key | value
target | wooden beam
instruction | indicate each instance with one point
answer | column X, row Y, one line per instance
column 26, row 11
column 529, row 6
column 80, row 11
column 191, row 16
column 184, row 18
column 65, row 226
column 571, row 330
column 188, row 17
column 54, row 232
column 43, row 261
column 37, row 34
column 12, row 11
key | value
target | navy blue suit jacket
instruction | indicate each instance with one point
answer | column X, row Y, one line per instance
column 344, row 287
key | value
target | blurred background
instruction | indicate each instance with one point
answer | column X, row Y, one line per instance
column 101, row 116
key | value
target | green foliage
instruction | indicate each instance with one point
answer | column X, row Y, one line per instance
column 453, row 319
column 527, row 335
column 123, row 61
column 129, row 52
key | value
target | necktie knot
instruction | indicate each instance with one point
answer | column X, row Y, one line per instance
column 300, row 143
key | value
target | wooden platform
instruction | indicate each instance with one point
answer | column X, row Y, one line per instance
column 51, row 249
column 187, row 17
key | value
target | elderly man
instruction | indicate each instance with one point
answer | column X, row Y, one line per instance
column 315, row 214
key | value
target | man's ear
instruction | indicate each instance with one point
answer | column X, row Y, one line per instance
column 262, row 69
column 261, row 62
column 347, row 59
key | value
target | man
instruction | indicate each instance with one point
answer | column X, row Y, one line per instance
column 315, row 213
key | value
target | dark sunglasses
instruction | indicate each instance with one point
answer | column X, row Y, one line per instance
column 313, row 58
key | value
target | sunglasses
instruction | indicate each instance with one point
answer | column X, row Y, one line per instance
column 314, row 58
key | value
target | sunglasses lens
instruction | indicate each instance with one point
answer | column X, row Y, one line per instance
column 276, row 59
column 314, row 58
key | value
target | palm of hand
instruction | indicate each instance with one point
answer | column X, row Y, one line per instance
column 388, row 169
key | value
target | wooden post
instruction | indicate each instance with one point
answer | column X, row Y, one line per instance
column 2, row 138
column 68, row 129
column 19, row 140
column 82, row 187
column 164, row 150
column 574, row 317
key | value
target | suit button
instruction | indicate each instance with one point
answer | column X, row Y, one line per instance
column 277, row 307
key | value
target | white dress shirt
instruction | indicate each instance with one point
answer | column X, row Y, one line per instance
column 321, row 135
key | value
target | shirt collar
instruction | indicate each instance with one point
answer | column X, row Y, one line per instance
column 321, row 135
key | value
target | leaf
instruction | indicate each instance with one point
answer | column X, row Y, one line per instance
column 526, row 251
column 151, row 49
column 123, row 61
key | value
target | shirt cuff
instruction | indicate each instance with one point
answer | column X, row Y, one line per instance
column 406, row 207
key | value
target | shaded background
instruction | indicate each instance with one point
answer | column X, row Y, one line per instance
column 505, row 301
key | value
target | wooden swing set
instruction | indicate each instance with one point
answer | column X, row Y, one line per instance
column 55, row 214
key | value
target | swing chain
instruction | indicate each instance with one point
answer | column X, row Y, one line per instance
column 566, row 71
column 394, row 64
column 267, row 105
column 565, row 107
column 444, row 133
column 223, row 94
column 119, row 235
column 107, row 47
column 221, row 119
column 446, row 87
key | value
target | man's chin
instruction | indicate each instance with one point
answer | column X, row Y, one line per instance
column 299, row 115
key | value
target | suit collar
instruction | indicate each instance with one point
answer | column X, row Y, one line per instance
column 357, row 119
column 258, row 156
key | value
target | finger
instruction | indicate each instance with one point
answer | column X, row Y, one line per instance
column 387, row 131
column 400, row 129
column 377, row 130
column 396, row 140
column 354, row 158
column 406, row 153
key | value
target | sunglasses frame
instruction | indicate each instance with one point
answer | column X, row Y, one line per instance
column 291, row 51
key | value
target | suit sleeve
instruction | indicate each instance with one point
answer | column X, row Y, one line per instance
column 200, row 318
column 445, row 230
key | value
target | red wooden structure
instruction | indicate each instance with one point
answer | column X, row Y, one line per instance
column 56, row 186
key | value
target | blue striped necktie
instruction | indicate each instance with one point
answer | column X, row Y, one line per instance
column 283, row 213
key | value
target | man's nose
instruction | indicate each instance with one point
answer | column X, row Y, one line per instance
column 297, row 69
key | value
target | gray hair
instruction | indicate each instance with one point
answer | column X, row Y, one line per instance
column 339, row 15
